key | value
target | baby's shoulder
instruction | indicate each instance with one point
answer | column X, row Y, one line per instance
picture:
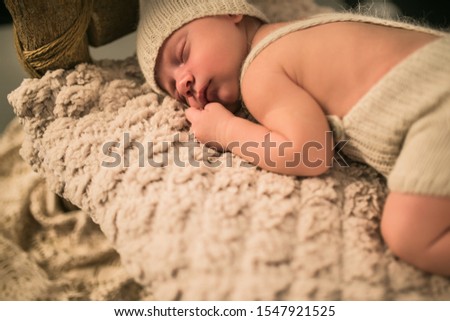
column 266, row 50
column 265, row 30
column 270, row 56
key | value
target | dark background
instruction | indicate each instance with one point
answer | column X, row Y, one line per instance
column 435, row 12
column 4, row 14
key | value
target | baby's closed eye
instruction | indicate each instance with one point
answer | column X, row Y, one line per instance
column 183, row 55
column 183, row 51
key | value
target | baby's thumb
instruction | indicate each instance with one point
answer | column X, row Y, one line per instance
column 191, row 114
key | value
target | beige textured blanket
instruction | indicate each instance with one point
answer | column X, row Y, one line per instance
column 197, row 226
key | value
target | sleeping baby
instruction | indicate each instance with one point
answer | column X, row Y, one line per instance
column 381, row 87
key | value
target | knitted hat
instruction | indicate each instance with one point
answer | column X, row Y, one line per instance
column 160, row 18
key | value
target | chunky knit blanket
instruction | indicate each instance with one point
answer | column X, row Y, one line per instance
column 187, row 223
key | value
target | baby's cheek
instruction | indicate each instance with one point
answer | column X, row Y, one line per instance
column 229, row 95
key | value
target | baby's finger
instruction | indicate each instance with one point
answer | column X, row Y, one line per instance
column 191, row 114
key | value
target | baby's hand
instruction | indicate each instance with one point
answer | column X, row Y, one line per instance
column 209, row 124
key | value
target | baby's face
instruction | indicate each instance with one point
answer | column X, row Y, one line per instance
column 201, row 62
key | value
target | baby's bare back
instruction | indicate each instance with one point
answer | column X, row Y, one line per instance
column 337, row 63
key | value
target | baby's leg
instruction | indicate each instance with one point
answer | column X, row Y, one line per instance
column 417, row 229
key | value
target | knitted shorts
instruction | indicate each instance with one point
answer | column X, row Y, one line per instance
column 401, row 127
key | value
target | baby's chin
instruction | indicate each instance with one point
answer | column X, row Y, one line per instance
column 231, row 101
column 233, row 107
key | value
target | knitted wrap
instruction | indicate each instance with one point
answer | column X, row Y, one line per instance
column 160, row 18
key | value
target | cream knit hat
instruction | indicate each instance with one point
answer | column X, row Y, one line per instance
column 160, row 18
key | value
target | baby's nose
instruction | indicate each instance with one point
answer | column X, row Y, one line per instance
column 185, row 86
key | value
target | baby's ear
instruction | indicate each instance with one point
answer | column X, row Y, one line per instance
column 236, row 18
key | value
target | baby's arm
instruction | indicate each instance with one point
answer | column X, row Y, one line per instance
column 290, row 139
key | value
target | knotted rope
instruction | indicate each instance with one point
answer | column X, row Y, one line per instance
column 38, row 61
